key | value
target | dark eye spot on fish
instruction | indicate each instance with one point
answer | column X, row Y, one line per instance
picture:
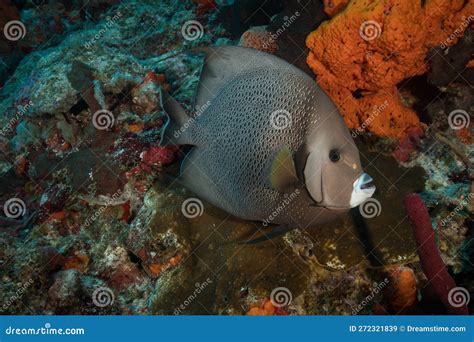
column 334, row 156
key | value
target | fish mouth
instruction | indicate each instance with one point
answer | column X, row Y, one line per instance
column 363, row 188
column 369, row 185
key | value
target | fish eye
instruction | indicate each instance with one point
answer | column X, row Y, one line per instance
column 334, row 156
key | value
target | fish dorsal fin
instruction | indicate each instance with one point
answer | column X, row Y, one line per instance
column 283, row 175
column 223, row 63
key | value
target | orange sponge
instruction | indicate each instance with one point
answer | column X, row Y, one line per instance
column 401, row 293
column 332, row 7
column 362, row 53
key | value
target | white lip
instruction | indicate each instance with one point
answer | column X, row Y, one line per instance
column 360, row 195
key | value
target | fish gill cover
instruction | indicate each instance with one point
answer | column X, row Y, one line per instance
column 95, row 220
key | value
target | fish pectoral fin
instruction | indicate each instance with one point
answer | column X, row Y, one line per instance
column 283, row 175
column 274, row 233
column 176, row 131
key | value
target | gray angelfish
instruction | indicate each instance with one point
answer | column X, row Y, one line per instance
column 268, row 144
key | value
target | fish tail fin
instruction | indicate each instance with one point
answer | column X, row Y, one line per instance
column 176, row 131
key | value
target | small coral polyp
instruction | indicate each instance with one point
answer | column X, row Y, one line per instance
column 370, row 47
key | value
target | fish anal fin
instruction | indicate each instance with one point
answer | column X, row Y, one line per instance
column 274, row 233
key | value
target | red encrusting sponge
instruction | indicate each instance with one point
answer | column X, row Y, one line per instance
column 433, row 266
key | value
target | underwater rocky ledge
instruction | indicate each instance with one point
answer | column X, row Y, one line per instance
column 93, row 223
